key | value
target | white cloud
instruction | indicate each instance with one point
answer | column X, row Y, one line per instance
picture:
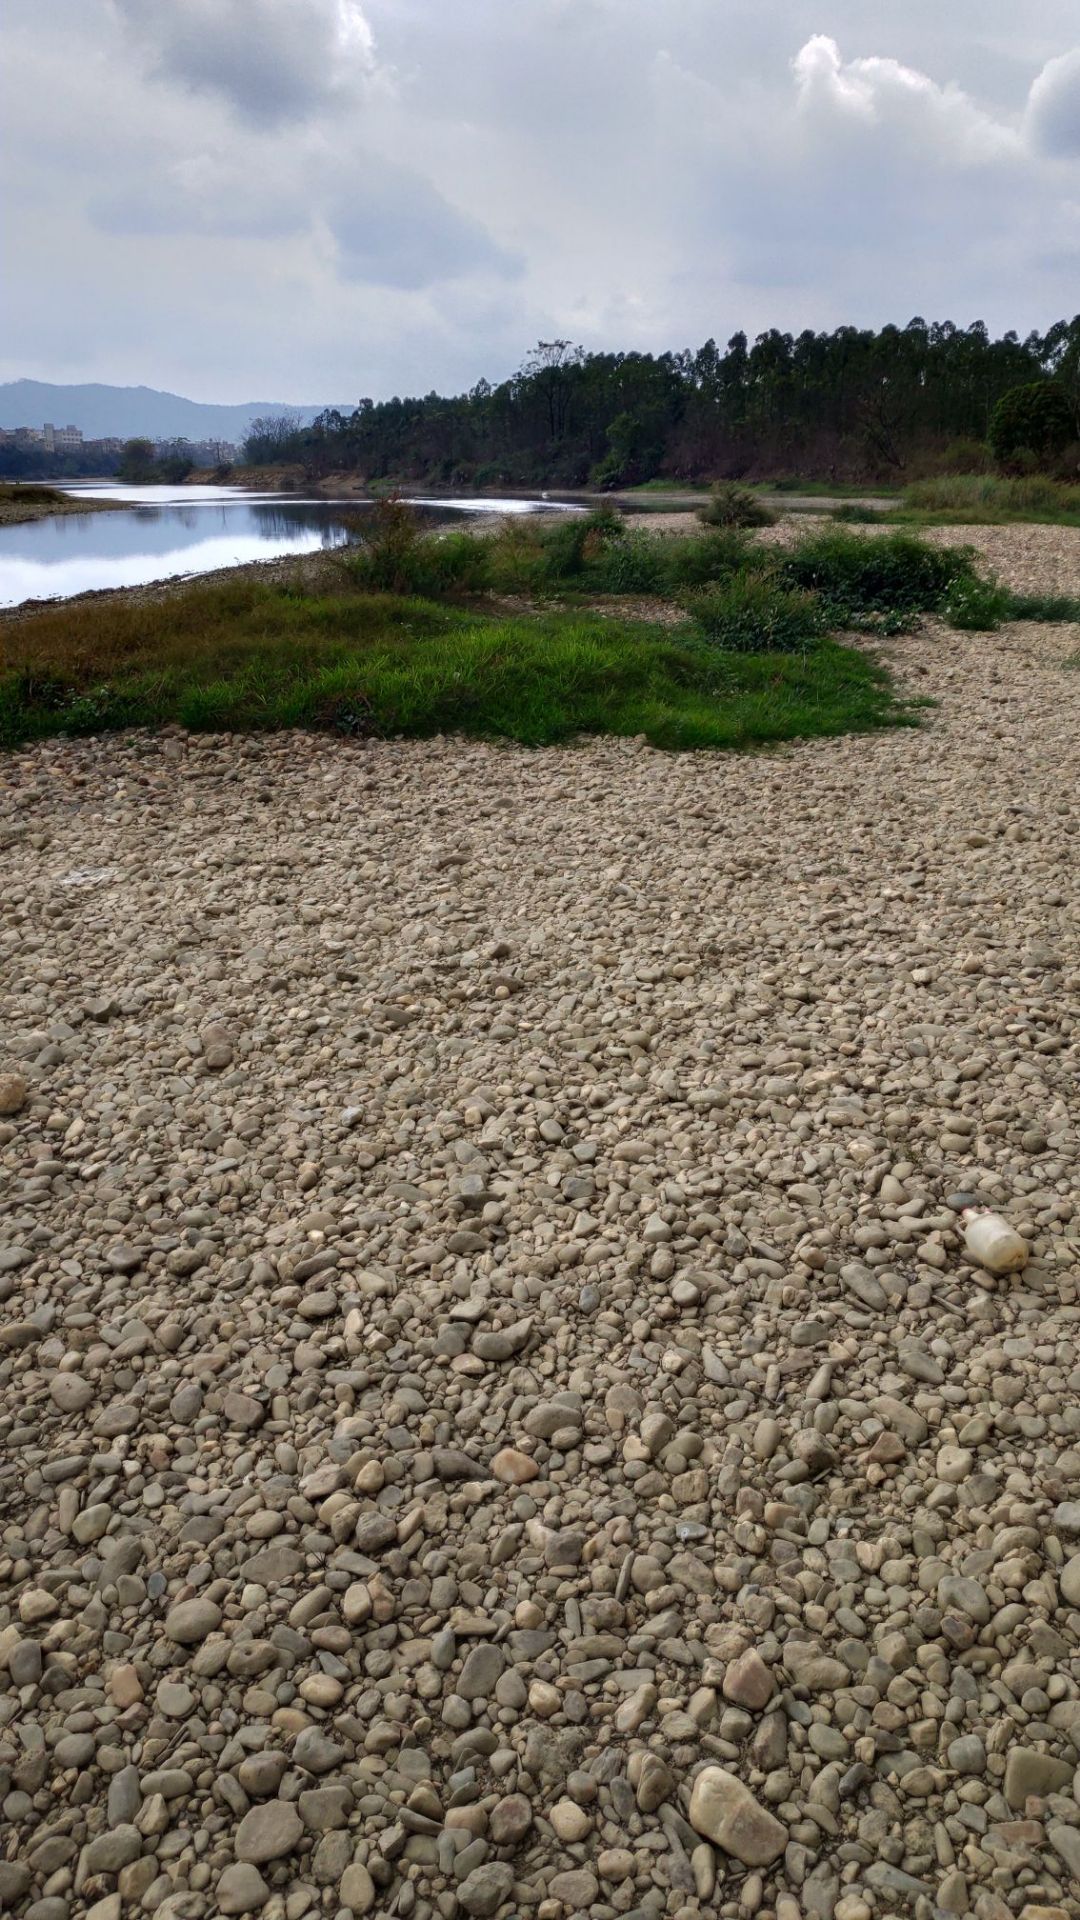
column 274, row 61
column 884, row 98
column 1052, row 123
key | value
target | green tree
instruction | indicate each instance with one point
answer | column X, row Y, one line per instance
column 1035, row 418
column 137, row 465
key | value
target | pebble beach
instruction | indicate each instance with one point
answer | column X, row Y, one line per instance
column 496, row 1414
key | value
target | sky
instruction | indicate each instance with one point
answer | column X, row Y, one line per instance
column 310, row 200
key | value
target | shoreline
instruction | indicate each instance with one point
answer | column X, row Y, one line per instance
column 17, row 512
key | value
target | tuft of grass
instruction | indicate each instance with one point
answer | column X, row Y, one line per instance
column 751, row 614
column 1048, row 607
column 856, row 513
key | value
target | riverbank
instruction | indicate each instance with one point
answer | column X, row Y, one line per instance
column 21, row 503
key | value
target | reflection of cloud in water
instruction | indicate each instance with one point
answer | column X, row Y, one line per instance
column 159, row 539
column 22, row 579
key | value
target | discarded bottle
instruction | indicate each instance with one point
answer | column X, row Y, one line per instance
column 992, row 1242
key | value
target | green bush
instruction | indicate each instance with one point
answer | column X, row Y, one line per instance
column 976, row 606
column 729, row 505
column 893, row 574
column 754, row 615
column 1035, row 418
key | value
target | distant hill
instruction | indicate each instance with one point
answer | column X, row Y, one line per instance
column 103, row 412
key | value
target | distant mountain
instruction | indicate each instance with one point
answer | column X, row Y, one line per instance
column 103, row 412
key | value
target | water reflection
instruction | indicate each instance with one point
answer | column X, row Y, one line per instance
column 168, row 532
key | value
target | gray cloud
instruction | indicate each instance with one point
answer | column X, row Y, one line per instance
column 306, row 196
column 393, row 228
column 272, row 60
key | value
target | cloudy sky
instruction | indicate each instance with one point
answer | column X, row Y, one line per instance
column 312, row 199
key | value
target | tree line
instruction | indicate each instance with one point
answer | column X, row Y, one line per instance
column 854, row 404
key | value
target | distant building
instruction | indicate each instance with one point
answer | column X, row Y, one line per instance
column 61, row 439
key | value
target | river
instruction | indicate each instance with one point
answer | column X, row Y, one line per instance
column 162, row 533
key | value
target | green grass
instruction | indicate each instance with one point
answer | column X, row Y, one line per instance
column 880, row 583
column 503, row 636
column 248, row 656
column 989, row 499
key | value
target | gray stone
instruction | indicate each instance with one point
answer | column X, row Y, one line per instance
column 268, row 1831
column 483, row 1667
column 1028, row 1772
column 190, row 1621
column 241, row 1889
column 485, row 1889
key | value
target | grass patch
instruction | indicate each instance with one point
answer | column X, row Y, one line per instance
column 408, row 638
column 1048, row 607
column 880, row 583
column 990, row 499
column 245, row 655
column 856, row 513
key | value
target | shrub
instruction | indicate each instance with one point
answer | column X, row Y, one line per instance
column 390, row 558
column 578, row 539
column 857, row 576
column 753, row 615
column 729, row 505
column 1035, row 418
column 976, row 606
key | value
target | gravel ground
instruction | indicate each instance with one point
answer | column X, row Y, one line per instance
column 497, row 1417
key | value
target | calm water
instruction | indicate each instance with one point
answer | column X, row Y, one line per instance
column 170, row 531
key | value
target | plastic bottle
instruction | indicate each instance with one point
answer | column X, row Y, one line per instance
column 992, row 1242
